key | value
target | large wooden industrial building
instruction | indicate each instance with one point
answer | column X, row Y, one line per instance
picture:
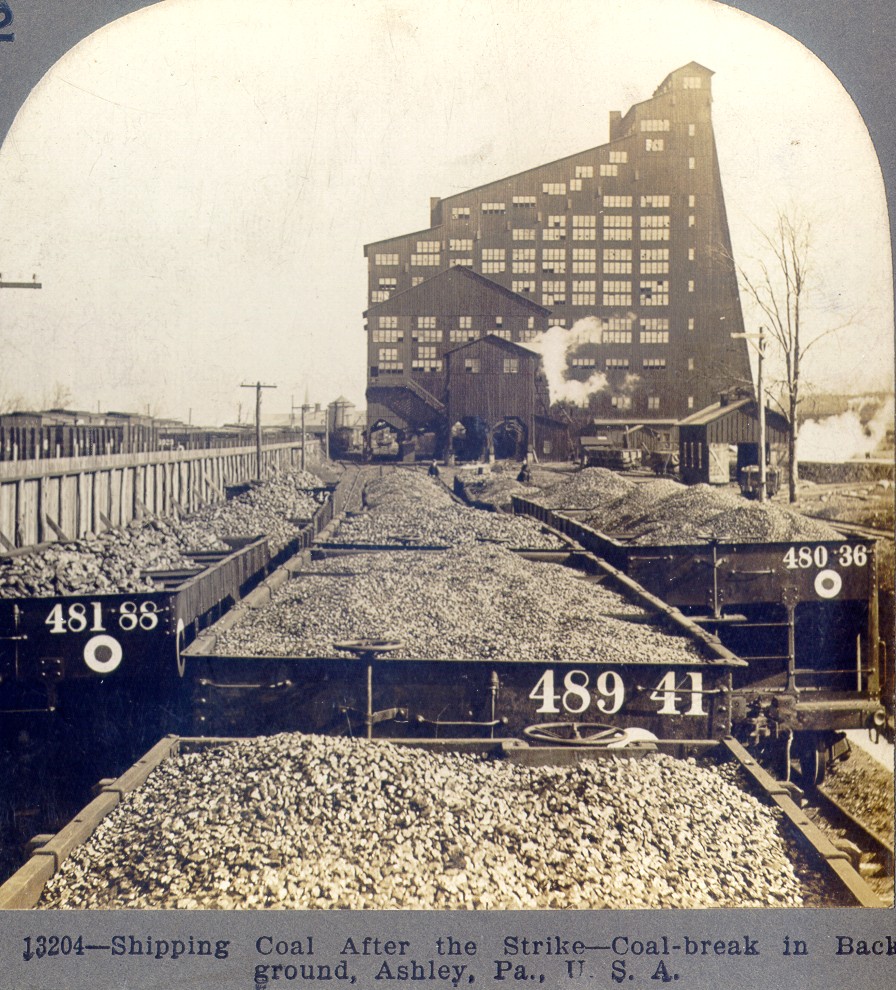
column 632, row 233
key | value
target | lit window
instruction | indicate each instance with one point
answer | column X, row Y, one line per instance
column 494, row 208
column 690, row 402
column 524, row 200
column 417, row 279
column 691, row 82
column 511, row 366
column 690, row 364
column 553, row 292
column 655, row 228
column 583, row 261
column 528, row 335
column 493, row 254
column 609, row 169
column 621, row 401
column 530, row 323
column 461, row 262
column 692, row 220
column 461, row 244
column 523, row 234
column 426, row 365
column 575, row 185
column 553, row 260
column 584, row 171
column 612, row 364
column 583, row 293
column 388, row 322
column 617, row 268
column 465, row 322
column 655, row 202
column 653, row 363
column 616, row 337
column 472, row 365
column 692, row 130
column 492, row 267
column 692, row 201
column 553, row 234
column 654, row 336
column 692, row 163
column 428, row 247
column 617, row 293
column 460, row 212
column 655, row 323
column 690, row 285
column 461, row 336
column 584, row 362
column 556, row 220
column 499, row 321
column 427, row 352
column 654, row 125
column 388, row 283
column 385, row 259
column 654, row 267
column 523, row 286
column 617, row 202
column 426, row 322
column 654, row 293
column 503, row 334
column 379, row 295
column 554, row 188
column 388, row 354
column 690, row 323
column 617, row 227
column 691, row 254
column 619, row 157
column 387, row 336
column 653, row 402
column 654, row 144
column 425, row 259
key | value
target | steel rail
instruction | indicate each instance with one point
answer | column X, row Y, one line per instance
column 835, row 861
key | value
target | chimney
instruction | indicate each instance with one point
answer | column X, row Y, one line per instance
column 615, row 120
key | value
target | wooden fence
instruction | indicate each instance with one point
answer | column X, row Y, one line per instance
column 67, row 498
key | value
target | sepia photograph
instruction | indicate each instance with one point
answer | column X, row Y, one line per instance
column 446, row 465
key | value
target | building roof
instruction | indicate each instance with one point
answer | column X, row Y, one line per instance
column 468, row 273
column 500, row 343
column 719, row 410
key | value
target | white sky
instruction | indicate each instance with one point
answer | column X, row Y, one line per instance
column 194, row 184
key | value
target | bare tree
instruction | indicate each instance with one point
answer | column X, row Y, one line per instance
column 779, row 289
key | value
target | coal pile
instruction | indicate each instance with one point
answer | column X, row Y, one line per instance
column 300, row 822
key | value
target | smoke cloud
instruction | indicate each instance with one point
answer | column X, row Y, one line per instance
column 554, row 346
column 844, row 437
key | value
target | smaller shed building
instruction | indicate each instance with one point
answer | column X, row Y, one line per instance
column 705, row 439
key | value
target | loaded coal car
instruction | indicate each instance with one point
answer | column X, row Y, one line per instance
column 801, row 609
column 421, row 617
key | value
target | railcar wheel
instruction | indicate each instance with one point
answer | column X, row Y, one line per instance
column 812, row 756
column 574, row 733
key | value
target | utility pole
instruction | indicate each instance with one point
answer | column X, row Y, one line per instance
column 760, row 349
column 258, row 387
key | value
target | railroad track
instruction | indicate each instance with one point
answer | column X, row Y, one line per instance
column 872, row 853
column 841, row 860
column 853, row 529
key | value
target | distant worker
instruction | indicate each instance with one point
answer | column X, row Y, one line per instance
column 433, row 470
column 525, row 475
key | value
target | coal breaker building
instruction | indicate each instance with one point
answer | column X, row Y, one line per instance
column 627, row 244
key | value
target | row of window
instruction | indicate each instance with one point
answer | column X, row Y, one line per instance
column 653, row 402
column 388, row 362
column 429, row 323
